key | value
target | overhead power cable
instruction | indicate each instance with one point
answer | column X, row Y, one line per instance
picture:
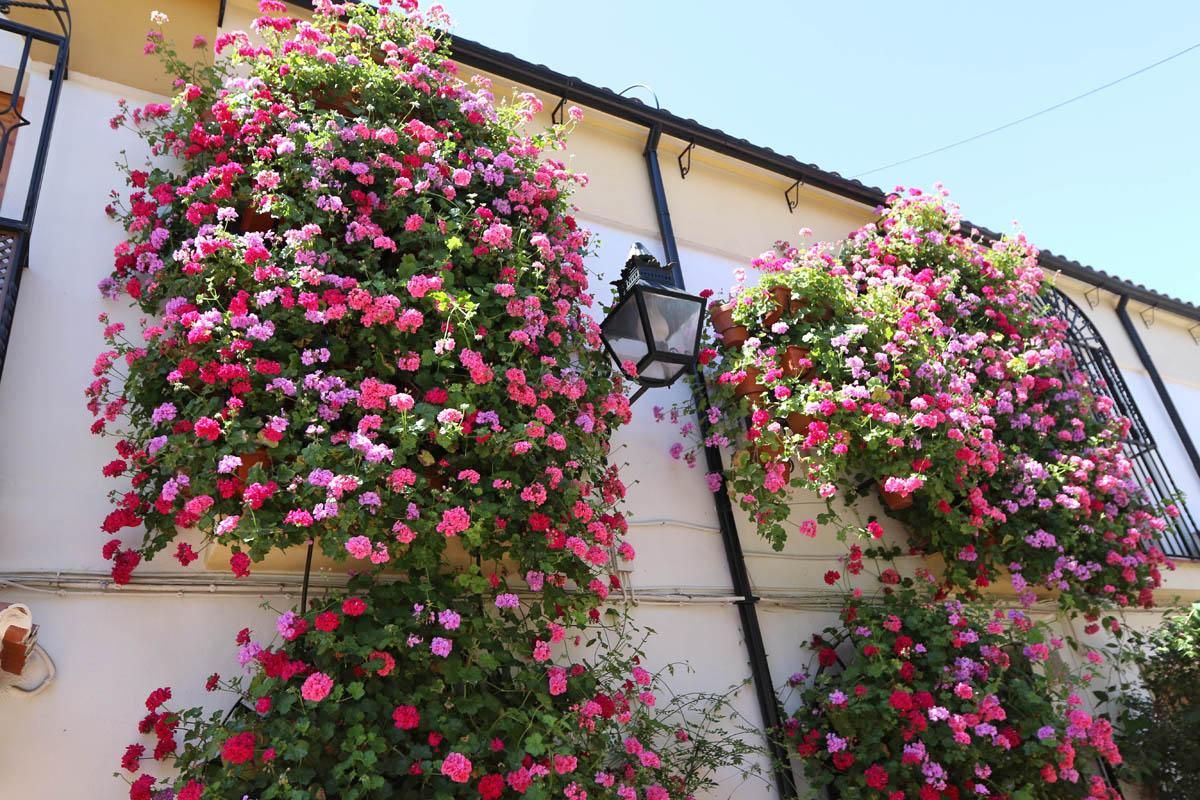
column 1028, row 117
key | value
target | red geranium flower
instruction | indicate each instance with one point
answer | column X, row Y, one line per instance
column 876, row 776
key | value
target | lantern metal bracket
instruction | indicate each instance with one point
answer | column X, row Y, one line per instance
column 221, row 13
column 556, row 116
column 1092, row 296
column 684, row 169
column 1147, row 315
column 1192, row 332
column 792, row 203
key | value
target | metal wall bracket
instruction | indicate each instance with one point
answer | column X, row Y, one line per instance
column 1092, row 296
column 686, row 167
column 1192, row 332
column 1147, row 315
column 221, row 13
column 556, row 116
column 793, row 201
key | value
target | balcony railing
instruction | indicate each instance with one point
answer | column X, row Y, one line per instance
column 15, row 231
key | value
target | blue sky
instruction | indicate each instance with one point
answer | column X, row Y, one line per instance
column 1109, row 181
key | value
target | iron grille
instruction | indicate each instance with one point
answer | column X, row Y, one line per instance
column 14, row 233
column 11, row 242
column 1180, row 539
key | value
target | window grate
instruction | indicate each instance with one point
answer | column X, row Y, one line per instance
column 14, row 232
column 1181, row 538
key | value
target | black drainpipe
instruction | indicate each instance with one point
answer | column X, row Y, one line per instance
column 1163, row 395
column 760, row 672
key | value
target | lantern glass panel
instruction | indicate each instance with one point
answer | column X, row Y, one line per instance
column 674, row 322
column 623, row 331
column 660, row 372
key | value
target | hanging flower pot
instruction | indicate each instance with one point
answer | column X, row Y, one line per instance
column 735, row 336
column 253, row 221
column 260, row 457
column 782, row 296
column 894, row 501
column 749, row 385
column 436, row 477
column 811, row 312
column 721, row 317
column 798, row 423
column 339, row 100
column 795, row 362
column 766, row 455
column 732, row 334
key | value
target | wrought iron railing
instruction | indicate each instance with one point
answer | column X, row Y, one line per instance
column 1182, row 537
column 15, row 231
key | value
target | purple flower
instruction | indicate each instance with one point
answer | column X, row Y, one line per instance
column 441, row 647
column 228, row 464
column 164, row 413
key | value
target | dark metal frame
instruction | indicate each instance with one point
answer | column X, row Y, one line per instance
column 637, row 294
column 1181, row 539
column 15, row 233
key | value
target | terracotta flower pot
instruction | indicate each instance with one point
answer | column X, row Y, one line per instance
column 749, row 385
column 337, row 100
column 814, row 313
column 734, row 337
column 259, row 457
column 799, row 422
column 721, row 317
column 793, row 365
column 782, row 297
column 895, row 501
column 436, row 477
column 766, row 455
column 252, row 221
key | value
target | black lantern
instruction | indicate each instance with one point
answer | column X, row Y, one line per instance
column 654, row 326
